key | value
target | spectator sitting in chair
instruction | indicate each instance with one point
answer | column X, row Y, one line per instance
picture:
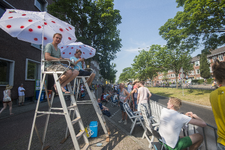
column 78, row 61
column 104, row 109
column 107, row 96
column 171, row 123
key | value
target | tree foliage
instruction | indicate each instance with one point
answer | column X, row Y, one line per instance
column 96, row 25
column 204, row 66
column 199, row 23
column 146, row 64
column 112, row 73
column 174, row 59
column 127, row 75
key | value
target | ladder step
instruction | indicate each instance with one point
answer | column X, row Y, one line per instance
column 85, row 146
column 72, row 106
column 80, row 134
column 76, row 120
column 47, row 112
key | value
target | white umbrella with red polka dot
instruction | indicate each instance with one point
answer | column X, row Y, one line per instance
column 31, row 26
column 68, row 51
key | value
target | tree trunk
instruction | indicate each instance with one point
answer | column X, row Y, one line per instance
column 176, row 82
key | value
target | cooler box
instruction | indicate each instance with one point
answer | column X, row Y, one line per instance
column 42, row 95
column 94, row 127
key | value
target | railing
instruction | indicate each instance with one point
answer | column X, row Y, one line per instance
column 208, row 132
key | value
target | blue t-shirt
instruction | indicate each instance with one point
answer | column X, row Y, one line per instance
column 79, row 64
column 100, row 105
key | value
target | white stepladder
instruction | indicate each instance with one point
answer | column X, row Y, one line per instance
column 55, row 111
column 92, row 101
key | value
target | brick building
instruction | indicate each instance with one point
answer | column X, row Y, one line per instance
column 195, row 73
column 19, row 61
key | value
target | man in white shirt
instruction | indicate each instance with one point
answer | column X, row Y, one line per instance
column 171, row 122
column 143, row 96
column 21, row 94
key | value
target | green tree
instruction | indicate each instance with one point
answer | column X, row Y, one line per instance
column 200, row 22
column 146, row 64
column 204, row 66
column 112, row 73
column 127, row 75
column 96, row 25
column 174, row 59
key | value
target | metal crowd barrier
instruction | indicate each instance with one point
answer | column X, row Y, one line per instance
column 208, row 132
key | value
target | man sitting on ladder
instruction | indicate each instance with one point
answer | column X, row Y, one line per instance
column 52, row 52
column 79, row 63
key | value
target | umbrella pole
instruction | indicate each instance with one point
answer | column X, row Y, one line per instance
column 42, row 50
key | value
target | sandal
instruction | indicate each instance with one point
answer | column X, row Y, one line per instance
column 65, row 91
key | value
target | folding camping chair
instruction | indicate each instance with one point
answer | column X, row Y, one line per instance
column 135, row 117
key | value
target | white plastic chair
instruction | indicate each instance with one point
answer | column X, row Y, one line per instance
column 135, row 117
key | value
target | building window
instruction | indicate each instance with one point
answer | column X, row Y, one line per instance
column 2, row 10
column 32, row 70
column 197, row 71
column 215, row 57
column 191, row 72
column 220, row 57
column 197, row 63
column 36, row 46
column 7, row 72
column 41, row 4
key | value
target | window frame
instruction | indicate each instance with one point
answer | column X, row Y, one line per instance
column 11, row 71
column 38, row 69
column 210, row 69
column 45, row 5
column 213, row 58
column 197, row 70
column 197, row 63
column 219, row 57
column 37, row 46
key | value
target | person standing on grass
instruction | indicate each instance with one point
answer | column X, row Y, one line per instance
column 143, row 96
column 21, row 94
column 123, row 97
column 217, row 100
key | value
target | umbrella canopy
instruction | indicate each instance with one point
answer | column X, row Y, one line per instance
column 31, row 26
column 69, row 50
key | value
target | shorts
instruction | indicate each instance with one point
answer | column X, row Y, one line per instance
column 84, row 73
column 121, row 107
column 135, row 103
column 57, row 67
column 181, row 144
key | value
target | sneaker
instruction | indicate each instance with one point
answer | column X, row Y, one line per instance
column 121, row 121
column 125, row 122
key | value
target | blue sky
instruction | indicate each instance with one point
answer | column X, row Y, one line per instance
column 141, row 20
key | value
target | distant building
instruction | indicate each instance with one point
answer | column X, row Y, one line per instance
column 195, row 73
